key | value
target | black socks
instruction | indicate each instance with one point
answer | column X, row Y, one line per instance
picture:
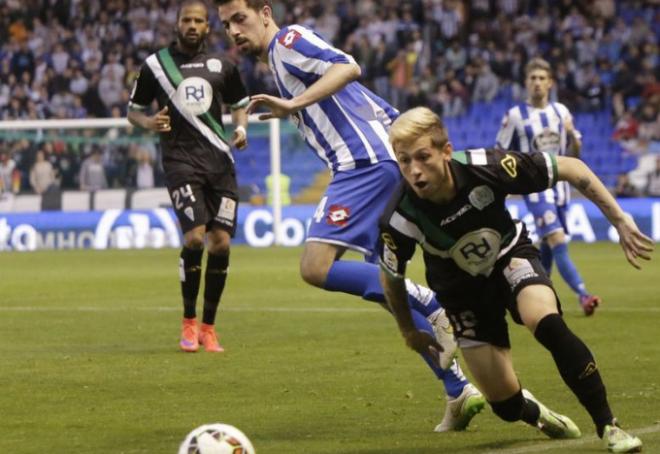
column 577, row 367
column 215, row 278
column 190, row 270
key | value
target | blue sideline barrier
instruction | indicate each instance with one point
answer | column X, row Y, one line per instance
column 156, row 228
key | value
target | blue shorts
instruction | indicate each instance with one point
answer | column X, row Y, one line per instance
column 348, row 213
column 548, row 217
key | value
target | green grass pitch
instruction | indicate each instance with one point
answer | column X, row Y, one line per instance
column 89, row 360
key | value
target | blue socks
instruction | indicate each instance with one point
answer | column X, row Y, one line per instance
column 567, row 269
column 362, row 279
column 546, row 257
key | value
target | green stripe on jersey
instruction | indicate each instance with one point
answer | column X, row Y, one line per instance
column 555, row 172
column 459, row 156
column 434, row 234
column 172, row 71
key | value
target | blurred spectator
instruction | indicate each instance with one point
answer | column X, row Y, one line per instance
column 144, row 177
column 593, row 94
column 92, row 172
column 624, row 188
column 400, row 76
column 649, row 123
column 42, row 174
column 653, row 180
column 79, row 59
column 7, row 169
column 22, row 60
column 486, row 84
column 415, row 96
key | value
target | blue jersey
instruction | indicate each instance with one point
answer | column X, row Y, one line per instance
column 528, row 129
column 348, row 130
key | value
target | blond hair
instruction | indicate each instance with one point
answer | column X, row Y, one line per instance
column 415, row 123
column 538, row 63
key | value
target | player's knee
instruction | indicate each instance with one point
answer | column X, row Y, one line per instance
column 314, row 267
column 312, row 275
column 219, row 244
column 555, row 238
column 193, row 241
column 509, row 409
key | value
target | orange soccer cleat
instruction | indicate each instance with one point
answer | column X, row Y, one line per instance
column 189, row 335
column 209, row 339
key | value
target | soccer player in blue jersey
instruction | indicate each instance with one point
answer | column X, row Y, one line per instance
column 542, row 125
column 347, row 126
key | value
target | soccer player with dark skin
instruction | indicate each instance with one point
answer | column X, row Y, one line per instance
column 481, row 263
column 190, row 84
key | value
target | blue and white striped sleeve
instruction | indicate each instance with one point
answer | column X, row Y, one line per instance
column 300, row 48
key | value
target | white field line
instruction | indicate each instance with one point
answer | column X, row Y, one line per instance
column 228, row 308
column 175, row 308
column 565, row 445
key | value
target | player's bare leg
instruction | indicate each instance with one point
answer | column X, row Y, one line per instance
column 316, row 260
column 492, row 368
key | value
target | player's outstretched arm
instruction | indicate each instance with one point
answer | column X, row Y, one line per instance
column 396, row 296
column 160, row 122
column 633, row 242
column 334, row 79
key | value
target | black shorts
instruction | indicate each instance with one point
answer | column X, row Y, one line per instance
column 482, row 317
column 203, row 197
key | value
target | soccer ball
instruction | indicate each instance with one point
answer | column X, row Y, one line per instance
column 216, row 439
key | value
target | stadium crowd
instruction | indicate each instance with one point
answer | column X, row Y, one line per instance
column 78, row 59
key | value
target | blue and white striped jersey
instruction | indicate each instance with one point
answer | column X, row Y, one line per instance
column 347, row 130
column 528, row 129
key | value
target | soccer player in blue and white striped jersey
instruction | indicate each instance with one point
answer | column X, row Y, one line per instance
column 539, row 125
column 347, row 127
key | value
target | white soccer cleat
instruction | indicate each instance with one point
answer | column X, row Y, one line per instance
column 618, row 440
column 553, row 424
column 444, row 334
column 460, row 411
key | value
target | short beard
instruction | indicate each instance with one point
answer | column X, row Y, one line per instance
column 251, row 51
column 187, row 45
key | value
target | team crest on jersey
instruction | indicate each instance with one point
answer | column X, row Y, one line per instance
column 338, row 215
column 214, row 65
column 549, row 217
column 481, row 196
column 290, row 39
column 548, row 141
column 188, row 211
column 510, row 165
